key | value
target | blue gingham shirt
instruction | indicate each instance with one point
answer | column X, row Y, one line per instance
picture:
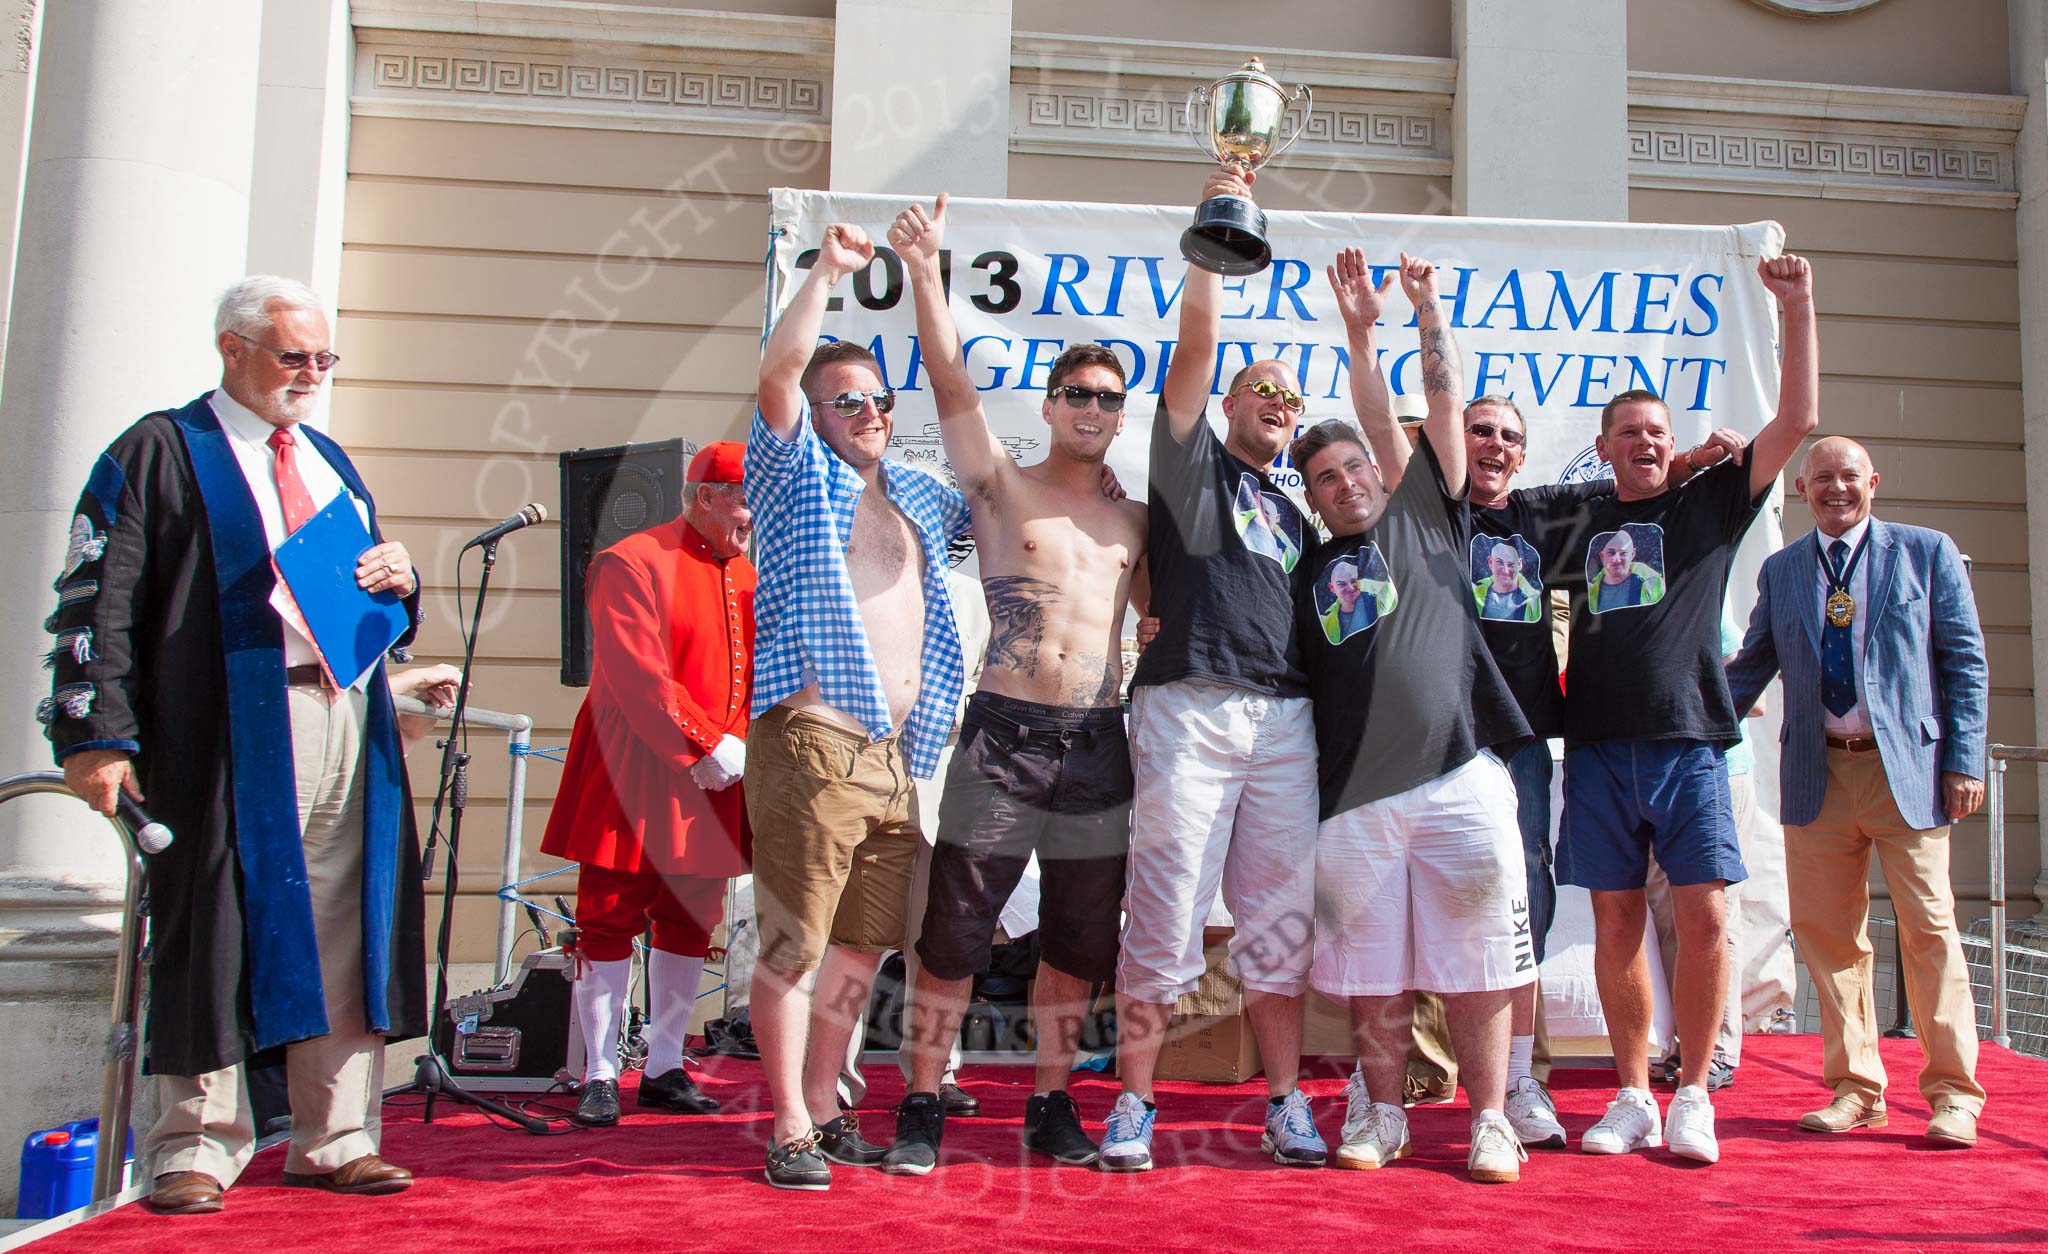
column 807, row 625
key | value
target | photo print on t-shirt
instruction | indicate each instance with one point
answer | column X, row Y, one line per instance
column 1267, row 524
column 1507, row 579
column 1353, row 592
column 1625, row 568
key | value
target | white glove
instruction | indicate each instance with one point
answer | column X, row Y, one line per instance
column 722, row 767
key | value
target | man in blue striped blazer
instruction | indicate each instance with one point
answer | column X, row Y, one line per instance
column 1874, row 628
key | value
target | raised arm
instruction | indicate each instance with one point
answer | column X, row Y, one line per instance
column 971, row 447
column 846, row 249
column 1193, row 368
column 1360, row 303
column 1443, row 375
column 1790, row 279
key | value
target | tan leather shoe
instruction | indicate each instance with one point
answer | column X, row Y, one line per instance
column 185, row 1193
column 1952, row 1126
column 368, row 1175
column 1844, row 1113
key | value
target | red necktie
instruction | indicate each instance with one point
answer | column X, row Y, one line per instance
column 291, row 490
column 298, row 507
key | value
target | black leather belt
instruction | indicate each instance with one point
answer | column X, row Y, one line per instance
column 1853, row 744
column 307, row 676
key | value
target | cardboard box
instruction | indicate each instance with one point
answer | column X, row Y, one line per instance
column 1213, row 1049
column 1209, row 1038
column 1326, row 1027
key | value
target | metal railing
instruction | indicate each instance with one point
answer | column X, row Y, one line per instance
column 1996, row 756
column 117, row 1079
column 519, row 745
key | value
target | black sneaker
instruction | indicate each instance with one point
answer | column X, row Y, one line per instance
column 675, row 1090
column 920, row 1126
column 959, row 1101
column 841, row 1141
column 598, row 1105
column 798, row 1165
column 1052, row 1126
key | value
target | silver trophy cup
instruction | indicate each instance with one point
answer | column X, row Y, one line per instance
column 1238, row 120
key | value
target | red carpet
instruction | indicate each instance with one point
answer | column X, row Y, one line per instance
column 671, row 1183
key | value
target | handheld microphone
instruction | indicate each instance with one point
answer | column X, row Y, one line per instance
column 150, row 835
column 526, row 517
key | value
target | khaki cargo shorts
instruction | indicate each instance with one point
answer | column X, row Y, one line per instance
column 835, row 838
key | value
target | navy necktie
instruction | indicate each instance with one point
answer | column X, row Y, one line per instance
column 1837, row 649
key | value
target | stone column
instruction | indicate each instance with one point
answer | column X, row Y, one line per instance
column 17, row 87
column 301, row 160
column 2029, row 46
column 1540, row 120
column 134, row 217
column 921, row 97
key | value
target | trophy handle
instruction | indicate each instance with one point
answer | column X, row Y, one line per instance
column 1308, row 105
column 1197, row 135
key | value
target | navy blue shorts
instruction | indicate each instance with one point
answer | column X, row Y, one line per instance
column 1628, row 800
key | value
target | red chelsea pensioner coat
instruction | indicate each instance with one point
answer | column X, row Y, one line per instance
column 672, row 670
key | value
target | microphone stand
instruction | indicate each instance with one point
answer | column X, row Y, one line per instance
column 431, row 1076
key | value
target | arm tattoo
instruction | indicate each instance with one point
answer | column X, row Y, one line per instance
column 1437, row 374
column 1016, row 615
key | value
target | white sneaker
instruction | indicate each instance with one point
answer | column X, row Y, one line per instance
column 1375, row 1133
column 1534, row 1115
column 1497, row 1154
column 1629, row 1124
column 1127, row 1138
column 1689, row 1126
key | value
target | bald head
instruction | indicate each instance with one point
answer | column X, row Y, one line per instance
column 1838, row 484
column 1833, row 450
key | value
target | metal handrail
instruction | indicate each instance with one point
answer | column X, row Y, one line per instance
column 117, row 1080
column 1996, row 756
column 519, row 738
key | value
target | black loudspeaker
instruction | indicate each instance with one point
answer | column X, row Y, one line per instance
column 607, row 495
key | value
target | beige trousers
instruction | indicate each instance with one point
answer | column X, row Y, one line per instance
column 1827, row 868
column 335, row 1082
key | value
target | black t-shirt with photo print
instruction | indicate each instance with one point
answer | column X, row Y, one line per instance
column 1404, row 687
column 1224, row 545
column 1550, row 522
column 1645, row 657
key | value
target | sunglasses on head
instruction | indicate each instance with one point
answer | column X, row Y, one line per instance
column 1077, row 397
column 1268, row 389
column 1488, row 431
column 849, row 404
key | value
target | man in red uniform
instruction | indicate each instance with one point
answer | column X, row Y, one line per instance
column 650, row 803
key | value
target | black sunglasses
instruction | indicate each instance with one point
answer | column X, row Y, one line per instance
column 1078, row 397
column 1488, row 431
column 849, row 404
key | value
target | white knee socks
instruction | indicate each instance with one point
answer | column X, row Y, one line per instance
column 673, row 979
column 600, row 1002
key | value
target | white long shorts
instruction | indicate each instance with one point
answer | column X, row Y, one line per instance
column 1226, row 800
column 1425, row 890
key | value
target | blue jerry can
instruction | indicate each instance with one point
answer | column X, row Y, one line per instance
column 56, row 1168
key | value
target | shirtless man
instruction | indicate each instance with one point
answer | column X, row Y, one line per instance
column 857, row 675
column 1042, row 765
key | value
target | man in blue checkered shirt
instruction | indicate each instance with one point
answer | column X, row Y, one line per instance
column 857, row 680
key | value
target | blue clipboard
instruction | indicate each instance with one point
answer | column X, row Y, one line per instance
column 351, row 627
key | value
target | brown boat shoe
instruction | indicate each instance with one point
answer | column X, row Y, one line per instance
column 368, row 1176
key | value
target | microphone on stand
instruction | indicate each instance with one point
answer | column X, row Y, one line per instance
column 526, row 517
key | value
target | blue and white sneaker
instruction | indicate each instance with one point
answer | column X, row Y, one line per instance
column 1127, row 1138
column 1291, row 1137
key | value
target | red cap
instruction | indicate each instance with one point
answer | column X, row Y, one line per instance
column 719, row 462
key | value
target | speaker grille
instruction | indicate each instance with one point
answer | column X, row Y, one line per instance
column 607, row 495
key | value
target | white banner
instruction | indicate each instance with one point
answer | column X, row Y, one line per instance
column 1558, row 316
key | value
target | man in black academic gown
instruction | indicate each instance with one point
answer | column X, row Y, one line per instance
column 287, row 912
